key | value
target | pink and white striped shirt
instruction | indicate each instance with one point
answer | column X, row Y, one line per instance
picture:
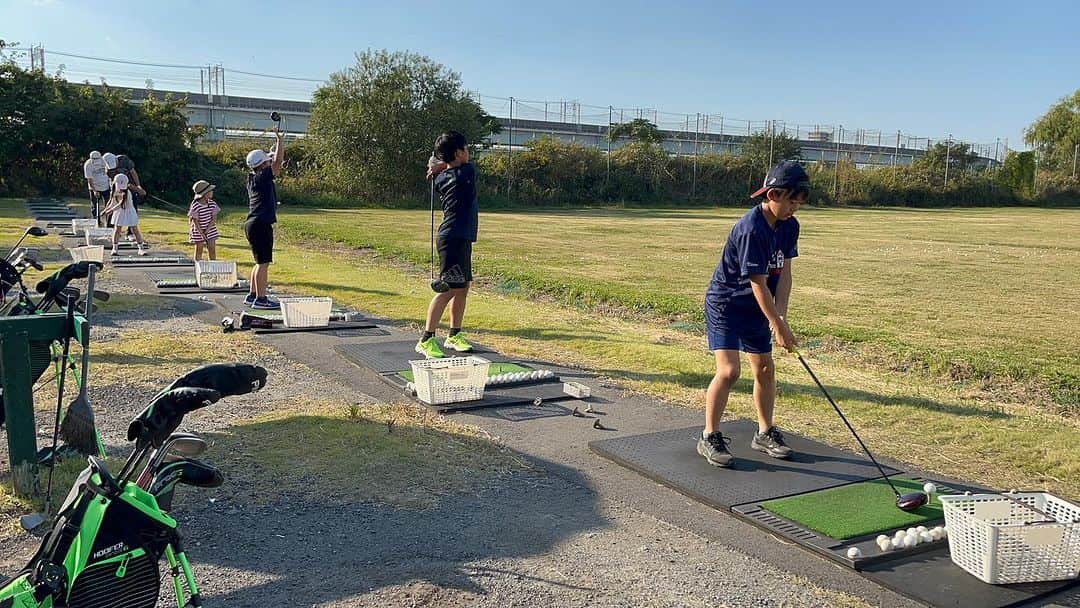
column 203, row 216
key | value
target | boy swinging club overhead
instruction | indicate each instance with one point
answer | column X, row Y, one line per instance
column 746, row 306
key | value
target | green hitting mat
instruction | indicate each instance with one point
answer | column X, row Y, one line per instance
column 495, row 369
column 854, row 510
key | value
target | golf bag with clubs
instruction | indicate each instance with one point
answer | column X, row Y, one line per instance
column 110, row 534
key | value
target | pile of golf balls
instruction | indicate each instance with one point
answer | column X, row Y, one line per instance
column 911, row 537
column 511, row 378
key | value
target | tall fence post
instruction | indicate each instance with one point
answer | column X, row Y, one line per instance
column 510, row 147
column 836, row 166
column 607, row 175
column 948, row 143
column 1076, row 151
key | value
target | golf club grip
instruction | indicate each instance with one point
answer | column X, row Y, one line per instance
column 844, row 418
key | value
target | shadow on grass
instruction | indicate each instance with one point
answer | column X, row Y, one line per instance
column 700, row 380
column 330, row 288
column 330, row 507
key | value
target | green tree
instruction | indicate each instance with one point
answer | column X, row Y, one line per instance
column 1056, row 134
column 1018, row 172
column 960, row 156
column 640, row 130
column 373, row 124
column 759, row 148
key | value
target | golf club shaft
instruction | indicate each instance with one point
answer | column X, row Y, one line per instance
column 844, row 418
column 431, row 199
column 16, row 247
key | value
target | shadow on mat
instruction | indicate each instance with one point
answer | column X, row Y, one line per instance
column 308, row 527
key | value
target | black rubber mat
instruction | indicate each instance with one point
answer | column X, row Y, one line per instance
column 932, row 578
column 359, row 332
column 522, row 395
column 136, row 260
column 384, row 357
column 836, row 550
column 332, row 327
column 169, row 291
column 170, row 275
column 671, row 458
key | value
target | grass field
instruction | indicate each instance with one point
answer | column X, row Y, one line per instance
column 945, row 335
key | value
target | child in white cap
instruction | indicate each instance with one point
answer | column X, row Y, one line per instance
column 123, row 213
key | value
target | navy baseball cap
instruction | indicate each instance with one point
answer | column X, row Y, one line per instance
column 786, row 175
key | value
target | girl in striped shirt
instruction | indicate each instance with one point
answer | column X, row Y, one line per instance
column 203, row 219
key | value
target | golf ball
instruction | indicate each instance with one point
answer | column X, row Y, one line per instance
column 909, row 542
column 922, row 529
column 897, row 543
column 914, row 538
column 912, row 532
column 944, row 532
column 854, row 552
column 900, row 534
column 926, row 537
column 929, row 488
column 885, row 545
column 936, row 533
column 880, row 538
column 518, row 377
column 536, row 375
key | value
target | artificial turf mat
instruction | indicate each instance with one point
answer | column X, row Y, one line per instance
column 496, row 368
column 855, row 510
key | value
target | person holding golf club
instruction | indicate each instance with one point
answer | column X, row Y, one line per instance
column 455, row 180
column 97, row 182
column 746, row 306
column 262, row 215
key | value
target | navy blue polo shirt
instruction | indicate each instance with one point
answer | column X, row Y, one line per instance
column 753, row 247
column 457, row 191
column 262, row 196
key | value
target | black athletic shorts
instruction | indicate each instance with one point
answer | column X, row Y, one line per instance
column 261, row 237
column 455, row 261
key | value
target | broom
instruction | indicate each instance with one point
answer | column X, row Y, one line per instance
column 78, row 428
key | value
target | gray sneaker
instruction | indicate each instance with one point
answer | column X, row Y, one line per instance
column 714, row 448
column 771, row 442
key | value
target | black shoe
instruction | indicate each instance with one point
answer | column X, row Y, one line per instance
column 714, row 448
column 771, row 442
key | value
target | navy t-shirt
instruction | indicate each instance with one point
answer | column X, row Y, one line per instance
column 457, row 191
column 262, row 196
column 753, row 247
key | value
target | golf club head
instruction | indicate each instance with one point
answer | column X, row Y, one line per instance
column 274, row 116
column 101, row 296
column 185, row 445
column 440, row 286
column 911, row 501
column 228, row 325
column 187, row 471
column 37, row 231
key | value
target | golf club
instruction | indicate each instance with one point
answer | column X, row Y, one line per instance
column 437, row 285
column 31, row 231
column 187, row 471
column 183, row 444
column 910, row 501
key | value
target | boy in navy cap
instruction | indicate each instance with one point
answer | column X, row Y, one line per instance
column 746, row 305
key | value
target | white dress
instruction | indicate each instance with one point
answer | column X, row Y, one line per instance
column 126, row 215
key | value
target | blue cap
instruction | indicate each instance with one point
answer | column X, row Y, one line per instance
column 786, row 175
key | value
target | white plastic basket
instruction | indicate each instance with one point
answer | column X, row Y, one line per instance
column 215, row 274
column 98, row 234
column 306, row 311
column 995, row 539
column 81, row 225
column 450, row 380
column 88, row 253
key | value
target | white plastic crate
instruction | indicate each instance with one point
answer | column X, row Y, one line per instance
column 215, row 274
column 450, row 380
column 98, row 234
column 576, row 390
column 88, row 253
column 995, row 539
column 306, row 311
column 81, row 225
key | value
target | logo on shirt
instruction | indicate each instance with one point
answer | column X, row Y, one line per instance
column 776, row 264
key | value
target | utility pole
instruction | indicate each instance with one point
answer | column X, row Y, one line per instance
column 607, row 175
column 697, row 130
column 896, row 151
column 836, row 166
column 509, row 147
column 948, row 142
column 772, row 137
column 1076, row 151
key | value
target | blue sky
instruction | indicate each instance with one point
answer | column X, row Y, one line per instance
column 977, row 70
